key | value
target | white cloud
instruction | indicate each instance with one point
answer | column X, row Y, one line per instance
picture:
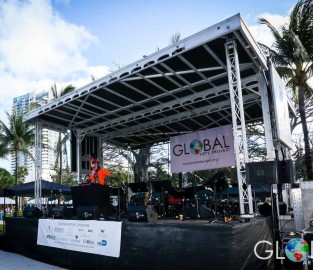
column 38, row 48
column 262, row 33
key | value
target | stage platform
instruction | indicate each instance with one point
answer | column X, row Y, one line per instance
column 160, row 245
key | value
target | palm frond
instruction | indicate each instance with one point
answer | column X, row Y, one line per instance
column 175, row 38
column 274, row 31
column 69, row 88
column 56, row 93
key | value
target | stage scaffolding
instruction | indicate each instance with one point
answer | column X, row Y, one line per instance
column 215, row 77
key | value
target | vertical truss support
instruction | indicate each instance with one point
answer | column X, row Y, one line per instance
column 239, row 128
column 100, row 151
column 38, row 172
column 79, row 139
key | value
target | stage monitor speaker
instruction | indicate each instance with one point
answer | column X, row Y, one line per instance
column 32, row 212
column 141, row 213
column 88, row 212
column 202, row 212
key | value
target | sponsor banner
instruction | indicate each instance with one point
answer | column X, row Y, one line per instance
column 203, row 150
column 91, row 236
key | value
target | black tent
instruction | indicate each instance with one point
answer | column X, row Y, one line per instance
column 28, row 189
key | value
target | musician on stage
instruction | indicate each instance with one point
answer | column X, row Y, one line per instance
column 97, row 174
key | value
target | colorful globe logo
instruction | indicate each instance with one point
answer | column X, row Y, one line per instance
column 196, row 147
column 297, row 250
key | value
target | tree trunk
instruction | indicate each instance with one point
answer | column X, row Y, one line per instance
column 307, row 149
column 60, row 156
column 142, row 164
column 16, row 178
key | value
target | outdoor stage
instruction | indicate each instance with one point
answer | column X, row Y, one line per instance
column 164, row 244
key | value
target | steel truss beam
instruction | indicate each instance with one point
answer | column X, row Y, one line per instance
column 79, row 139
column 174, row 118
column 38, row 172
column 216, row 91
column 239, row 128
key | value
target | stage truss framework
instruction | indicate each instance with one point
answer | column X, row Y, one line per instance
column 213, row 78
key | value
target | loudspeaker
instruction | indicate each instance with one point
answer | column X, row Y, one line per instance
column 32, row 212
column 88, row 146
column 88, row 212
column 265, row 172
column 282, row 206
column 141, row 213
column 270, row 172
column 287, row 171
column 265, row 209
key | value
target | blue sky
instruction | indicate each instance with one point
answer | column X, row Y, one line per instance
column 67, row 41
column 127, row 29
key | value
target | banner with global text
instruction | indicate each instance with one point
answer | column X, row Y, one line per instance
column 203, row 150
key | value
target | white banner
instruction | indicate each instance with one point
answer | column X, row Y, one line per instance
column 203, row 150
column 281, row 108
column 91, row 236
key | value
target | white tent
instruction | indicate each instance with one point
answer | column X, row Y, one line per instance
column 6, row 200
column 43, row 201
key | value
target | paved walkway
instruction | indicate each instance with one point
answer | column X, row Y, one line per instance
column 13, row 261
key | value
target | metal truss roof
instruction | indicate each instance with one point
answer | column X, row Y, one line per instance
column 180, row 89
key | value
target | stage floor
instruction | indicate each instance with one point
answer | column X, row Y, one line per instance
column 160, row 245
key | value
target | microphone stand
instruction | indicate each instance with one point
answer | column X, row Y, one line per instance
column 119, row 199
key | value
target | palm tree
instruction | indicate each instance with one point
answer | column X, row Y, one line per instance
column 292, row 54
column 15, row 139
column 61, row 142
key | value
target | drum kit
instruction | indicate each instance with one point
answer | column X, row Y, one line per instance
column 207, row 201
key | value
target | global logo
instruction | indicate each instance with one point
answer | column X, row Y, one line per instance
column 196, row 147
column 297, row 250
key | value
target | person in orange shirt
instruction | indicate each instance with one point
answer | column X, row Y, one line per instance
column 97, row 174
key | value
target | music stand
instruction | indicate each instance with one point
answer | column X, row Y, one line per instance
column 138, row 187
column 217, row 182
column 192, row 193
column 120, row 193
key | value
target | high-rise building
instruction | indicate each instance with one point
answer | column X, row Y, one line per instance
column 21, row 105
